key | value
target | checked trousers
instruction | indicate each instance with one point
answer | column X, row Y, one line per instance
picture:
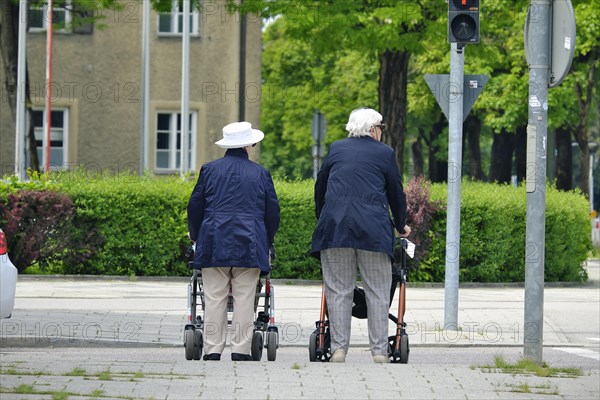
column 339, row 267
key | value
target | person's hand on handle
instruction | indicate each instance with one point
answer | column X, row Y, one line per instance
column 189, row 237
column 406, row 232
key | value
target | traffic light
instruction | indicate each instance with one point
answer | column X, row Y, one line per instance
column 463, row 21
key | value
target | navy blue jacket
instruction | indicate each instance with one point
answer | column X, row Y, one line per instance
column 233, row 213
column 356, row 188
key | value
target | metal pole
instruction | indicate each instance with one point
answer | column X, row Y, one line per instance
column 21, row 72
column 537, row 130
column 316, row 149
column 47, row 138
column 318, row 133
column 145, row 120
column 455, row 125
column 591, row 180
column 243, row 30
column 185, row 86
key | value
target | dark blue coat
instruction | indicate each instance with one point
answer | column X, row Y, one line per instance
column 233, row 213
column 356, row 188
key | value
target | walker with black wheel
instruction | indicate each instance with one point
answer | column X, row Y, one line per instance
column 265, row 333
column 319, row 345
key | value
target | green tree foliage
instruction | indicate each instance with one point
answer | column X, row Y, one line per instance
column 298, row 81
column 313, row 31
column 389, row 32
column 575, row 101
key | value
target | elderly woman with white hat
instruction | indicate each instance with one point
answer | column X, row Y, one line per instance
column 233, row 215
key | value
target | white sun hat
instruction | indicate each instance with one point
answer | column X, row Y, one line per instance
column 239, row 134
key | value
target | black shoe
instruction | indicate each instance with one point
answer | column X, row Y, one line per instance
column 212, row 357
column 240, row 357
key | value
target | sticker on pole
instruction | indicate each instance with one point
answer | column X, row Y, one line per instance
column 534, row 102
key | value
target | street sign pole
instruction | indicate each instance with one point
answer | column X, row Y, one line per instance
column 539, row 17
column 318, row 130
column 455, row 125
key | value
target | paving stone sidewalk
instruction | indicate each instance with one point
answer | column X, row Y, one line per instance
column 115, row 338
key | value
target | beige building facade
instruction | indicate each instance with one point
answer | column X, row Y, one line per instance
column 97, row 89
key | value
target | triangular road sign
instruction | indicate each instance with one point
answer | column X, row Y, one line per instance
column 440, row 86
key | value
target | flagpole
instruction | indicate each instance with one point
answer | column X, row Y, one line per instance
column 145, row 119
column 185, row 86
column 47, row 140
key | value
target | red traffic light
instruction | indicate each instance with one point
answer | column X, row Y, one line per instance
column 462, row 5
column 463, row 21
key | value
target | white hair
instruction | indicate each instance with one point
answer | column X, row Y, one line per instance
column 361, row 121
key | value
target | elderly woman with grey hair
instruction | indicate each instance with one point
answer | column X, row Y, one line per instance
column 357, row 186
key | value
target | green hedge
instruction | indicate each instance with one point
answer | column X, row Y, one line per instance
column 492, row 235
column 142, row 223
column 140, row 228
column 298, row 221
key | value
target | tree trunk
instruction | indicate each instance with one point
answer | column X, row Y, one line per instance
column 564, row 160
column 419, row 162
column 502, row 151
column 393, row 80
column 521, row 152
column 9, row 50
column 9, row 28
column 472, row 126
column 584, row 159
column 34, row 162
column 438, row 163
column 581, row 134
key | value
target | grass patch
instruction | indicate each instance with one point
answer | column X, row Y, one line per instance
column 105, row 375
column 522, row 388
column 97, row 393
column 56, row 394
column 77, row 372
column 25, row 389
column 10, row 371
column 135, row 376
column 540, row 389
column 529, row 367
column 60, row 395
column 13, row 371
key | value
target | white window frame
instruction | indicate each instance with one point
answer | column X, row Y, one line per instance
column 174, row 158
column 45, row 19
column 65, row 137
column 175, row 14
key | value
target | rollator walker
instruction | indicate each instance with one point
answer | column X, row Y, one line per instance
column 319, row 346
column 265, row 333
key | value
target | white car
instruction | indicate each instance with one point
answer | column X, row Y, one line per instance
column 8, row 280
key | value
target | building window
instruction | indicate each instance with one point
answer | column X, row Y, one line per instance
column 168, row 141
column 37, row 17
column 172, row 23
column 59, row 133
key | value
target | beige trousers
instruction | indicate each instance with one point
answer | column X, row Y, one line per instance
column 216, row 290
